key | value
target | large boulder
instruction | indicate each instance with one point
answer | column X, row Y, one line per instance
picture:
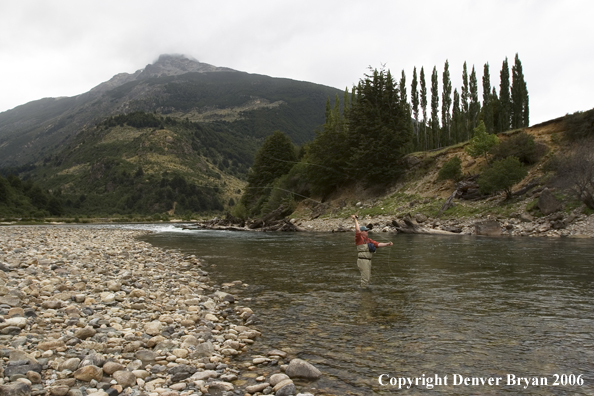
column 547, row 203
column 301, row 369
column 488, row 228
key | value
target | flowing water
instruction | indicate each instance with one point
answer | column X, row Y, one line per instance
column 439, row 306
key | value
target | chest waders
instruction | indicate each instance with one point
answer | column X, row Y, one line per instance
column 364, row 263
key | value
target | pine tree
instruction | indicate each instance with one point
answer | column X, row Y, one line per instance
column 474, row 106
column 274, row 159
column 487, row 108
column 424, row 108
column 446, row 99
column 504, row 98
column 434, row 109
column 379, row 130
column 414, row 95
column 328, row 154
column 519, row 96
column 465, row 95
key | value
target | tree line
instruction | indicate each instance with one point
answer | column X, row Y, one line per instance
column 462, row 110
column 365, row 136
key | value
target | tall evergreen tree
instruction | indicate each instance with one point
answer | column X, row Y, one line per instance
column 379, row 130
column 275, row 158
column 519, row 96
column 487, row 108
column 446, row 100
column 434, row 109
column 504, row 98
column 414, row 96
column 464, row 96
column 474, row 106
column 328, row 154
column 424, row 108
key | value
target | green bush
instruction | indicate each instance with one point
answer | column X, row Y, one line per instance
column 451, row 170
column 579, row 125
column 481, row 142
column 501, row 176
column 521, row 146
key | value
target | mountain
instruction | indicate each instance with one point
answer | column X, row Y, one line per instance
column 175, row 86
column 178, row 132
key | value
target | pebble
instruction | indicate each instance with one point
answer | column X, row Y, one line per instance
column 96, row 312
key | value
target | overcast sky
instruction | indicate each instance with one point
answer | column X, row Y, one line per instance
column 52, row 48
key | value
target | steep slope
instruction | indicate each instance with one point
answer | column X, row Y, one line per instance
column 175, row 86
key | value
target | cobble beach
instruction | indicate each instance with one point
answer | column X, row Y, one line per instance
column 95, row 311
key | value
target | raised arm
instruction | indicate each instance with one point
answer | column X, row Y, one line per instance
column 354, row 217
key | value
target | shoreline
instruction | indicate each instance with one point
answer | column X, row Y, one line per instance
column 557, row 225
column 91, row 311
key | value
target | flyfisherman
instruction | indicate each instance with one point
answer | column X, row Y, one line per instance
column 365, row 249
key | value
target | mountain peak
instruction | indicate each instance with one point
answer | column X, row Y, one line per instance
column 165, row 65
column 175, row 64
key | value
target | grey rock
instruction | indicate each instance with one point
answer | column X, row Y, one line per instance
column 22, row 368
column 16, row 389
column 124, row 378
column 547, row 203
column 487, row 228
column 301, row 369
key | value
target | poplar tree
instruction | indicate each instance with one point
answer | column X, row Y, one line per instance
column 402, row 86
column 504, row 98
column 464, row 101
column 487, row 108
column 446, row 99
column 434, row 109
column 519, row 96
column 424, row 107
column 474, row 106
column 414, row 96
column 456, row 127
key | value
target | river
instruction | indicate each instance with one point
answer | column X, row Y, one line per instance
column 453, row 307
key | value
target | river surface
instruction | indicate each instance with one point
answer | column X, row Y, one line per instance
column 439, row 306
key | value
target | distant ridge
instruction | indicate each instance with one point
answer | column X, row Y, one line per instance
column 176, row 86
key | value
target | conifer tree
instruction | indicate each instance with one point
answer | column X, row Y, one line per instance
column 379, row 130
column 519, row 96
column 274, row 159
column 434, row 109
column 446, row 99
column 474, row 106
column 424, row 108
column 504, row 98
column 487, row 108
column 414, row 96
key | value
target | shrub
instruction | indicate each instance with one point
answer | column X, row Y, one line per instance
column 501, row 176
column 521, row 146
column 481, row 142
column 451, row 170
column 579, row 125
